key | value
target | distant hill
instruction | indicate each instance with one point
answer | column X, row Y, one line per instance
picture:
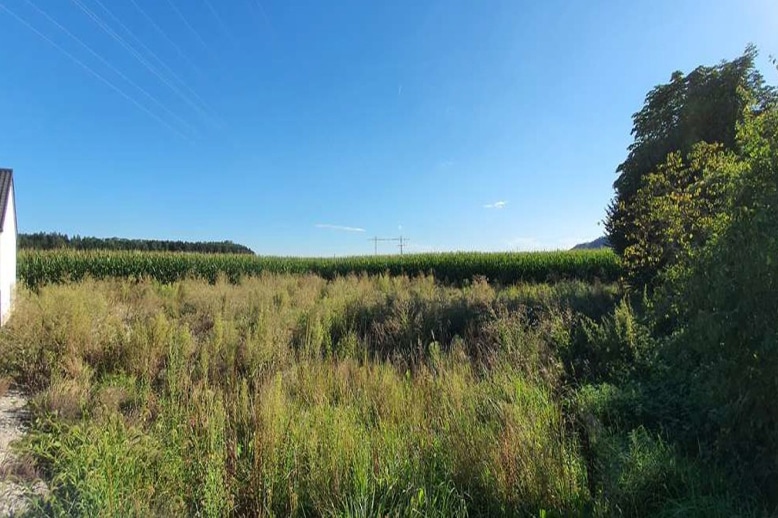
column 54, row 240
column 600, row 242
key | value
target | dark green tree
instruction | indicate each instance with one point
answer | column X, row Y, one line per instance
column 705, row 105
column 54, row 240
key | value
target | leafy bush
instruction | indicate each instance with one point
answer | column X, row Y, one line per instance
column 634, row 471
column 613, row 349
column 725, row 348
column 697, row 225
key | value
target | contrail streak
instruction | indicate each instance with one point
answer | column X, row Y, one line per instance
column 111, row 67
column 167, row 38
column 93, row 72
column 108, row 30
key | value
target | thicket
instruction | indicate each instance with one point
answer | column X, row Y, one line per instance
column 701, row 256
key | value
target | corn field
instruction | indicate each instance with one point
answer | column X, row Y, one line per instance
column 36, row 268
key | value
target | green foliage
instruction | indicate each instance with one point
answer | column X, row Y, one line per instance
column 613, row 348
column 104, row 470
column 705, row 105
column 725, row 344
column 634, row 471
column 696, row 220
column 36, row 268
column 703, row 234
column 358, row 396
column 677, row 209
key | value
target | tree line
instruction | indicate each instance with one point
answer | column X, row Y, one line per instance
column 55, row 240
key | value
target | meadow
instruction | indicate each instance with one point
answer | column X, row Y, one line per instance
column 284, row 394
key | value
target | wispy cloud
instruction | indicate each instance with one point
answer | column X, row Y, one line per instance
column 342, row 228
column 496, row 205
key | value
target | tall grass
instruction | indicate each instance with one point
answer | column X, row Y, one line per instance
column 357, row 396
column 360, row 396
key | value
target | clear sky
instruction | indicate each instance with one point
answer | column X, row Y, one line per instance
column 290, row 126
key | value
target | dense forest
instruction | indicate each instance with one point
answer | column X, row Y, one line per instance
column 54, row 241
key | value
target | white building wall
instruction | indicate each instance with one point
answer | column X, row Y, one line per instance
column 8, row 259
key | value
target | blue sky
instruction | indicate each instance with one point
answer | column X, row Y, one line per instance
column 478, row 125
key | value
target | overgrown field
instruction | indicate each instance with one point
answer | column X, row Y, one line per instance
column 42, row 267
column 357, row 396
column 435, row 385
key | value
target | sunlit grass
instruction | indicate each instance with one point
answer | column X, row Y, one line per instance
column 357, row 396
column 296, row 395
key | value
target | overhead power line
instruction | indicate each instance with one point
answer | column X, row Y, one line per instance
column 189, row 26
column 150, row 67
column 167, row 38
column 402, row 242
column 91, row 71
column 220, row 22
column 111, row 67
column 153, row 55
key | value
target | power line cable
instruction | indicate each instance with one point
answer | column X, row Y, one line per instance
column 152, row 54
column 111, row 67
column 108, row 30
column 92, row 71
column 189, row 26
column 162, row 33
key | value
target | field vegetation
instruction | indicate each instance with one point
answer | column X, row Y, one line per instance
column 42, row 267
column 359, row 396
